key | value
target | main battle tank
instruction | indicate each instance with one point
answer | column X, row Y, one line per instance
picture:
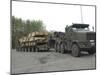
column 33, row 42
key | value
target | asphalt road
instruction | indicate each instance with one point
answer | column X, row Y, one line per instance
column 26, row 62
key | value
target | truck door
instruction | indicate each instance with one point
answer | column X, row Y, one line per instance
column 69, row 38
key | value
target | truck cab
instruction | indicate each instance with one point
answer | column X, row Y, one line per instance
column 80, row 38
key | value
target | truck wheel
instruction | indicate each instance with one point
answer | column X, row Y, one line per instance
column 58, row 48
column 62, row 50
column 75, row 51
column 55, row 47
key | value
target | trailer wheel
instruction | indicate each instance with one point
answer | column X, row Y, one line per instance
column 62, row 48
column 75, row 50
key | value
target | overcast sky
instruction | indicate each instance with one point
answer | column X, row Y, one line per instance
column 54, row 16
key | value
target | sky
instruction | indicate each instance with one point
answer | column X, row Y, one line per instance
column 55, row 17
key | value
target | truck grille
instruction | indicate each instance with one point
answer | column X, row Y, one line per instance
column 91, row 36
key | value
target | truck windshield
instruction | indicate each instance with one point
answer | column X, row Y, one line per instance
column 80, row 29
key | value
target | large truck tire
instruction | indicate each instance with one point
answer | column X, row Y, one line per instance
column 75, row 50
column 62, row 48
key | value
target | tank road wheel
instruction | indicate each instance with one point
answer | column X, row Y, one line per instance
column 19, row 49
column 25, row 49
column 75, row 50
column 62, row 48
column 33, row 49
column 36, row 49
column 59, row 48
column 30, row 49
column 22, row 49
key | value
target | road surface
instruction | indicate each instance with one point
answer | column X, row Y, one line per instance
column 26, row 62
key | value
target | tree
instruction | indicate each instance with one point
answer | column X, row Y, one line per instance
column 20, row 28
